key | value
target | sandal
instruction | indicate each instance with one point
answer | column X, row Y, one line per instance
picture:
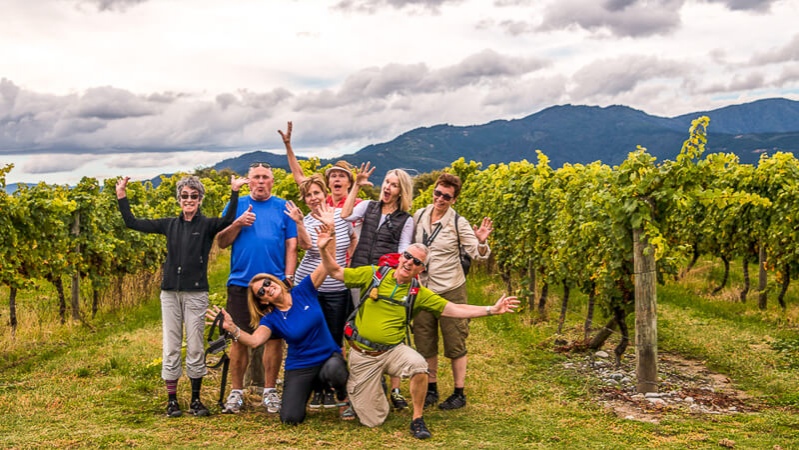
column 345, row 411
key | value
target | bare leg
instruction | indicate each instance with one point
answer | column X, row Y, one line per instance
column 432, row 369
column 418, row 392
column 458, row 371
column 238, row 364
column 273, row 356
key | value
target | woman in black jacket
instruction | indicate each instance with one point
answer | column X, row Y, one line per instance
column 184, row 289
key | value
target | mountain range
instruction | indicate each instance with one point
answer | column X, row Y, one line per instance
column 570, row 134
column 574, row 134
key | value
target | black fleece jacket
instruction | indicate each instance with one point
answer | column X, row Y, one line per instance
column 187, row 244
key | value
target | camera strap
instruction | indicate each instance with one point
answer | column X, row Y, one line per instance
column 219, row 345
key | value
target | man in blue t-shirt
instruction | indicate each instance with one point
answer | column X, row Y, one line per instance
column 264, row 240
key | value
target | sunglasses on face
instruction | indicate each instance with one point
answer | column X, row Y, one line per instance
column 446, row 197
column 261, row 164
column 193, row 196
column 416, row 261
column 262, row 290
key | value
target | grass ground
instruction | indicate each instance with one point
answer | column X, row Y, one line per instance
column 69, row 387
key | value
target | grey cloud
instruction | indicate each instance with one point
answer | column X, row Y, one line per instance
column 108, row 120
column 381, row 84
column 751, row 81
column 112, row 103
column 754, row 5
column 789, row 52
column 619, row 17
column 610, row 77
column 788, row 76
column 50, row 163
column 113, row 5
column 372, row 6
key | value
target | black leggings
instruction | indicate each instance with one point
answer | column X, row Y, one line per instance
column 336, row 306
column 299, row 383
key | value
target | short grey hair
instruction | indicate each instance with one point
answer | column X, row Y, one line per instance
column 421, row 247
column 191, row 182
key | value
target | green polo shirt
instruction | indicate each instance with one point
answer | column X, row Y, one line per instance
column 383, row 322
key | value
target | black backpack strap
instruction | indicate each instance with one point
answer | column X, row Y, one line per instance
column 413, row 291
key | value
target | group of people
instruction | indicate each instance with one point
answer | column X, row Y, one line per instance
column 340, row 292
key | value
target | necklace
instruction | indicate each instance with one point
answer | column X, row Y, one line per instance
column 284, row 314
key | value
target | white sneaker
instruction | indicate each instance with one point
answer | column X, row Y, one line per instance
column 233, row 404
column 272, row 401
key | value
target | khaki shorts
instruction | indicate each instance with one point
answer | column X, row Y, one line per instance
column 453, row 331
column 364, row 387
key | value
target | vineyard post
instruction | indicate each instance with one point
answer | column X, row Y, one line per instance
column 645, row 313
column 76, row 274
column 762, row 277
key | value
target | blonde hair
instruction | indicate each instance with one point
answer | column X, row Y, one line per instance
column 406, row 188
column 316, row 179
column 254, row 305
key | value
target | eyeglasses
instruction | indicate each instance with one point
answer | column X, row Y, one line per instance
column 261, row 164
column 446, row 197
column 416, row 261
column 262, row 290
column 193, row 196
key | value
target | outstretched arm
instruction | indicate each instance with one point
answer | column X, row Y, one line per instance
column 296, row 169
column 463, row 311
column 258, row 337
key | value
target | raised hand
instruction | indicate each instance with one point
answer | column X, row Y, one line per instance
column 363, row 173
column 287, row 135
column 324, row 235
column 121, row 187
column 293, row 211
column 485, row 229
column 325, row 214
column 505, row 305
column 246, row 219
column 237, row 182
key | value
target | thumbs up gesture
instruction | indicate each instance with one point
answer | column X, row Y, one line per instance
column 246, row 219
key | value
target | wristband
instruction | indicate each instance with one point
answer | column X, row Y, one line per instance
column 488, row 311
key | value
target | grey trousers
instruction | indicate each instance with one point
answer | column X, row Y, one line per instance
column 179, row 309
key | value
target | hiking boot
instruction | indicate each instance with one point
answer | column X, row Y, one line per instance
column 173, row 409
column 233, row 404
column 398, row 400
column 316, row 401
column 198, row 409
column 419, row 429
column 329, row 400
column 431, row 398
column 272, row 402
column 454, row 401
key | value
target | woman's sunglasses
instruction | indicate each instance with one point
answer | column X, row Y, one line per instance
column 262, row 290
column 446, row 197
column 193, row 196
column 416, row 261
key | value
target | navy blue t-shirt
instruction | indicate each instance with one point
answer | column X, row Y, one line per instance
column 303, row 327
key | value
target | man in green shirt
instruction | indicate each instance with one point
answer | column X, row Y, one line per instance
column 380, row 324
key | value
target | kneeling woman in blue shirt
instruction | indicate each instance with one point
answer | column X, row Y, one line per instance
column 314, row 360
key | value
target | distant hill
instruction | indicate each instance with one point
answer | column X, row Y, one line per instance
column 574, row 134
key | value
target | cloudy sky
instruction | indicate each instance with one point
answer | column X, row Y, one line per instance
column 140, row 87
